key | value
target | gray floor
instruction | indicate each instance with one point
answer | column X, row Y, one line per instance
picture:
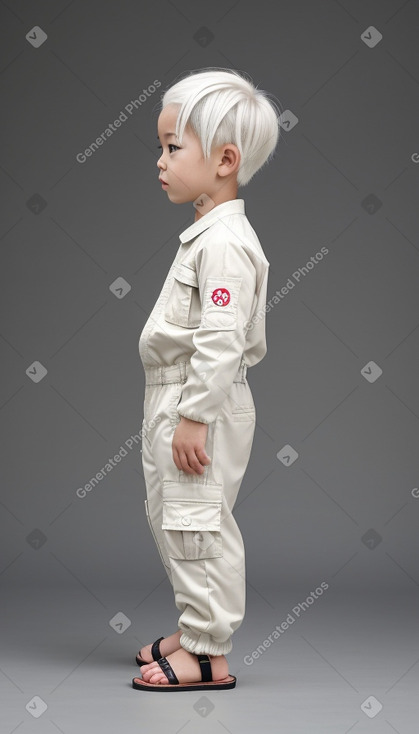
column 335, row 655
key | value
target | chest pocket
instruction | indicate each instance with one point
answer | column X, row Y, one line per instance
column 183, row 306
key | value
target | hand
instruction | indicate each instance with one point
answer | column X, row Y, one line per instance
column 188, row 445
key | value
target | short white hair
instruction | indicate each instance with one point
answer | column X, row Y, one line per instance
column 223, row 106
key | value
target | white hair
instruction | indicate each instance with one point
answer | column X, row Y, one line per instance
column 223, row 106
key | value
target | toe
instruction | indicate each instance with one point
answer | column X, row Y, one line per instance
column 153, row 674
column 159, row 678
column 147, row 671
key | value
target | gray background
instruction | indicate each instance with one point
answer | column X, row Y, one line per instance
column 346, row 511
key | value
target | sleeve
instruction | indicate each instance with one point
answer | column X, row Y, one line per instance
column 227, row 288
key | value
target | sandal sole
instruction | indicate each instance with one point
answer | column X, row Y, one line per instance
column 142, row 685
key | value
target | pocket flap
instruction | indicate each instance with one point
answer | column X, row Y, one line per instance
column 191, row 506
column 185, row 274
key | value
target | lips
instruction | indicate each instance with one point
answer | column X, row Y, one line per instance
column 163, row 182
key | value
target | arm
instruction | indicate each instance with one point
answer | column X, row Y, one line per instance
column 227, row 285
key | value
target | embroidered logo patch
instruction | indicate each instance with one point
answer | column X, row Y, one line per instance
column 221, row 296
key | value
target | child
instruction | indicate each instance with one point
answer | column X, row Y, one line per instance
column 206, row 328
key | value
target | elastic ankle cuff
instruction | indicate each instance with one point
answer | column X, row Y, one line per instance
column 205, row 644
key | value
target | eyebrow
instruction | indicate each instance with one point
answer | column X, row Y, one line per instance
column 166, row 135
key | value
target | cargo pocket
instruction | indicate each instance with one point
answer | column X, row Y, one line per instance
column 183, row 306
column 192, row 520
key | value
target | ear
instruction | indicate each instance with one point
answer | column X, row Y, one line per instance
column 229, row 159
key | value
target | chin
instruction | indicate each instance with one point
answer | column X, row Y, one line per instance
column 177, row 198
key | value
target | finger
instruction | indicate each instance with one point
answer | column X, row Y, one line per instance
column 176, row 459
column 194, row 462
column 203, row 457
column 185, row 463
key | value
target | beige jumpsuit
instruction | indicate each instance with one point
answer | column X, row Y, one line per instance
column 206, row 328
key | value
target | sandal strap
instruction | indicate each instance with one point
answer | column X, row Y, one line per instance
column 155, row 649
column 168, row 670
column 205, row 663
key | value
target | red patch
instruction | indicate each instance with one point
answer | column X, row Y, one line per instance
column 221, row 296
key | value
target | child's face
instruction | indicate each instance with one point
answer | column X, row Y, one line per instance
column 183, row 167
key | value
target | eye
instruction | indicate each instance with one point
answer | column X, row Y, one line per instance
column 170, row 146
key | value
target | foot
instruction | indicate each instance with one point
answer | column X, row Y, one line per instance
column 168, row 645
column 186, row 667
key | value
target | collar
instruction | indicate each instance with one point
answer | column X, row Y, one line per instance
column 234, row 206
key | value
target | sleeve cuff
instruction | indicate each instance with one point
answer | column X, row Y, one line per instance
column 193, row 417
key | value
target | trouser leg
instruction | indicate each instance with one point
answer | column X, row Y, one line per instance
column 208, row 566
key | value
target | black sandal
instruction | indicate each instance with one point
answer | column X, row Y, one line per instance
column 205, row 683
column 155, row 651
